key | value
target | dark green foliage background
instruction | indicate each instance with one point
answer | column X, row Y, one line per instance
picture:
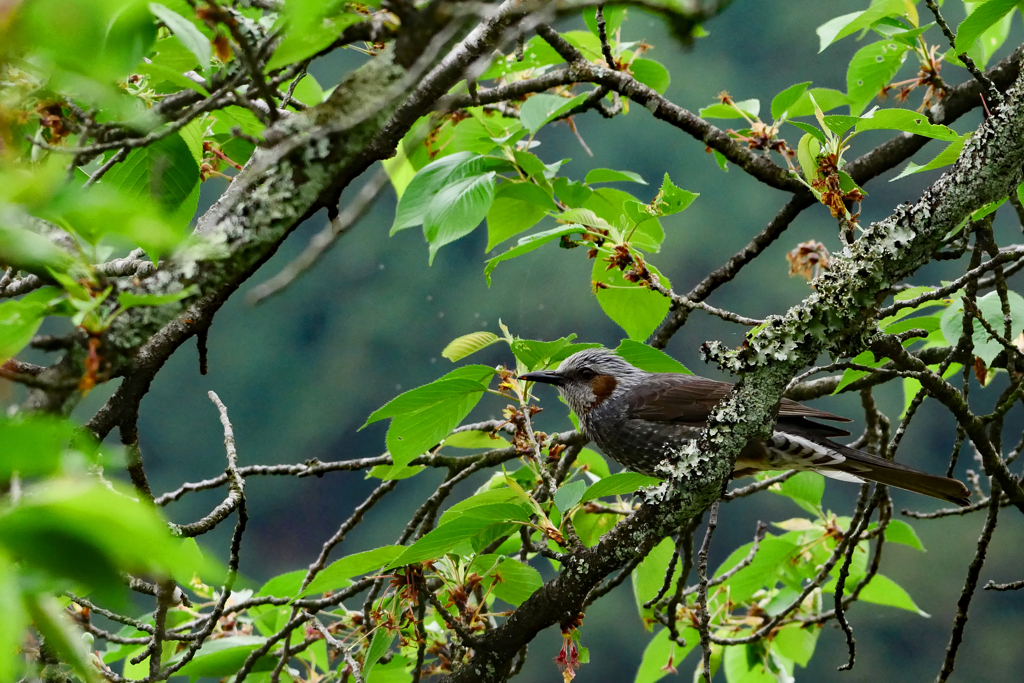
column 301, row 372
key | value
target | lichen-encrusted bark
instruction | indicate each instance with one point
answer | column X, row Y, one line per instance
column 833, row 319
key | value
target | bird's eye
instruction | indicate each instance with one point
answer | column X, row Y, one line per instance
column 587, row 374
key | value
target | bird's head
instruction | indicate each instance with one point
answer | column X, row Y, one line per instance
column 588, row 378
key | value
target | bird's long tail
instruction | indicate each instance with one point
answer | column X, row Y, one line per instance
column 862, row 465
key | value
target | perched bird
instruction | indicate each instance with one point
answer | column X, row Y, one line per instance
column 641, row 418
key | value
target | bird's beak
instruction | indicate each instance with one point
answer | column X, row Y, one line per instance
column 545, row 376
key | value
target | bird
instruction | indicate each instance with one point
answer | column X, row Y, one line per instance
column 640, row 419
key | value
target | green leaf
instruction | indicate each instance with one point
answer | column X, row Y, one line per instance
column 813, row 131
column 593, row 462
column 569, row 495
column 848, row 24
column 337, row 574
column 884, row 591
column 805, row 489
column 475, row 439
column 517, row 207
column 661, row 653
column 55, row 627
column 515, row 582
column 468, row 524
column 223, row 657
column 649, row 358
column 743, row 664
column 871, row 68
column 796, row 642
column 382, row 639
column 535, row 355
column 618, row 484
column 26, row 250
column 614, row 15
column 128, row 300
column 766, row 570
column 649, row 577
column 807, row 151
column 185, row 31
column 572, row 194
column 13, row 620
column 905, row 120
column 468, row 344
column 671, row 199
column 311, row 34
column 839, row 124
column 412, row 434
column 787, row 98
column 34, row 444
column 457, row 209
column 827, row 99
column 457, row 383
column 19, row 321
column 88, row 533
column 727, row 111
column 991, row 309
column 607, row 175
column 944, row 158
column 528, row 244
column 899, row 531
column 984, row 16
column 652, row 74
column 542, row 108
column 636, row 309
column 419, row 195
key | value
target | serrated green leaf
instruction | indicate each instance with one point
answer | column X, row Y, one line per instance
column 19, row 321
column 637, row 310
column 543, row 108
column 222, row 657
column 649, row 576
column 899, row 531
column 661, row 653
column 528, row 244
column 728, row 111
column 607, row 175
column 884, row 591
column 468, row 524
column 468, row 344
column 618, row 484
column 984, row 16
column 517, row 207
column 569, row 495
column 871, row 68
column 787, row 98
column 457, row 209
column 475, row 439
column 991, row 309
column 765, row 571
column 649, row 358
column 185, row 31
column 827, row 99
column 419, row 195
column 943, row 158
column 805, row 489
column 515, row 582
column 905, row 120
column 652, row 74
column 336, row 574
column 796, row 642
column 848, row 24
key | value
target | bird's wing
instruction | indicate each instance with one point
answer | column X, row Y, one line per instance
column 670, row 397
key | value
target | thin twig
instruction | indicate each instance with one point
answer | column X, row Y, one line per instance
column 702, row 592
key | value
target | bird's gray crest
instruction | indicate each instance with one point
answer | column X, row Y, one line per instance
column 602, row 362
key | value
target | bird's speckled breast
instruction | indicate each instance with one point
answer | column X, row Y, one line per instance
column 638, row 445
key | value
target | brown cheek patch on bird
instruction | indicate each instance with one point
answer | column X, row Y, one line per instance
column 602, row 386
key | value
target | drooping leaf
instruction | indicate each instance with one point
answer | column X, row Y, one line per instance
column 515, row 582
column 649, row 577
column 607, row 175
column 805, row 489
column 468, row 524
column 222, row 657
column 652, row 74
column 990, row 306
column 796, row 642
column 729, row 111
column 884, row 591
column 457, row 209
column 517, row 207
column 129, row 300
column 26, row 250
column 943, row 158
column 661, row 653
column 528, row 244
column 899, row 531
column 637, row 310
column 185, row 31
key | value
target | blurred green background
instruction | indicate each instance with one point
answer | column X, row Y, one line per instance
column 301, row 372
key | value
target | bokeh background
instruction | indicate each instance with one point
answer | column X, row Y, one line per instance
column 301, row 372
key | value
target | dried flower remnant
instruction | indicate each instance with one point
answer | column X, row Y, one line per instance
column 808, row 259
